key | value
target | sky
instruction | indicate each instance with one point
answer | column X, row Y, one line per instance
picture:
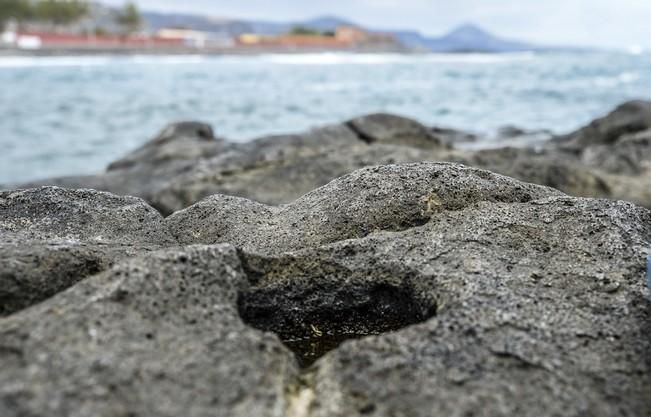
column 604, row 23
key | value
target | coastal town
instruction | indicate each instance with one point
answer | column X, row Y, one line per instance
column 73, row 26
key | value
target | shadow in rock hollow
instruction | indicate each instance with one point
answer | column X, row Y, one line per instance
column 313, row 318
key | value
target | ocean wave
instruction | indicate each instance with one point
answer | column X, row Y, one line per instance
column 96, row 60
column 326, row 58
column 168, row 59
column 57, row 61
column 374, row 59
column 626, row 77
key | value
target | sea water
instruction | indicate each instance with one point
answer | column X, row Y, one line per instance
column 73, row 115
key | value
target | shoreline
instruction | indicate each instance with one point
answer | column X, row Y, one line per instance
column 583, row 163
column 10, row 52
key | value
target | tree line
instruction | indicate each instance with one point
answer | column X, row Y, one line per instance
column 62, row 12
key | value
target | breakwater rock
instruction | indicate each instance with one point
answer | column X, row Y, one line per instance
column 406, row 289
column 610, row 158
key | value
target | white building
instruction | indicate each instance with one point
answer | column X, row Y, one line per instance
column 197, row 39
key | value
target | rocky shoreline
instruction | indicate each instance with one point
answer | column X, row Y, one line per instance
column 610, row 158
column 334, row 273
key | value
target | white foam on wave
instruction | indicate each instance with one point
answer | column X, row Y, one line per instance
column 96, row 60
column 636, row 50
column 626, row 77
column 168, row 59
column 54, row 61
column 476, row 58
column 326, row 58
column 329, row 58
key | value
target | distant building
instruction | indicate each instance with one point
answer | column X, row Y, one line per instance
column 67, row 41
column 345, row 37
column 196, row 39
column 292, row 41
column 358, row 36
column 351, row 34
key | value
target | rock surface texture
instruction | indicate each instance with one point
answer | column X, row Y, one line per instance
column 609, row 158
column 401, row 290
column 155, row 336
column 50, row 238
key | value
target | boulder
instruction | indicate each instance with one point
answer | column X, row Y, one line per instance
column 279, row 169
column 416, row 290
column 454, row 137
column 629, row 155
column 392, row 198
column 176, row 144
column 507, row 305
column 397, row 130
column 609, row 158
column 158, row 335
column 184, row 163
column 53, row 237
column 175, row 150
column 280, row 181
column 548, row 167
column 630, row 117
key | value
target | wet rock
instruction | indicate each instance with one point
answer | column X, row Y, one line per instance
column 452, row 137
column 609, row 158
column 547, row 167
column 281, row 181
column 279, row 169
column 630, row 155
column 183, row 164
column 510, row 131
column 177, row 143
column 617, row 147
column 388, row 128
column 158, row 335
column 52, row 238
column 174, row 151
column 515, row 132
column 630, row 117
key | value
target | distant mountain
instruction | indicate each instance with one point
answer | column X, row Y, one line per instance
column 327, row 23
column 465, row 38
column 472, row 38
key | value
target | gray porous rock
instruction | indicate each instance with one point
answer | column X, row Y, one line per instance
column 174, row 151
column 527, row 306
column 402, row 290
column 281, row 181
column 617, row 147
column 392, row 197
column 397, row 130
column 609, row 158
column 535, row 309
column 158, row 335
column 279, row 169
column 50, row 238
column 183, row 164
column 630, row 117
